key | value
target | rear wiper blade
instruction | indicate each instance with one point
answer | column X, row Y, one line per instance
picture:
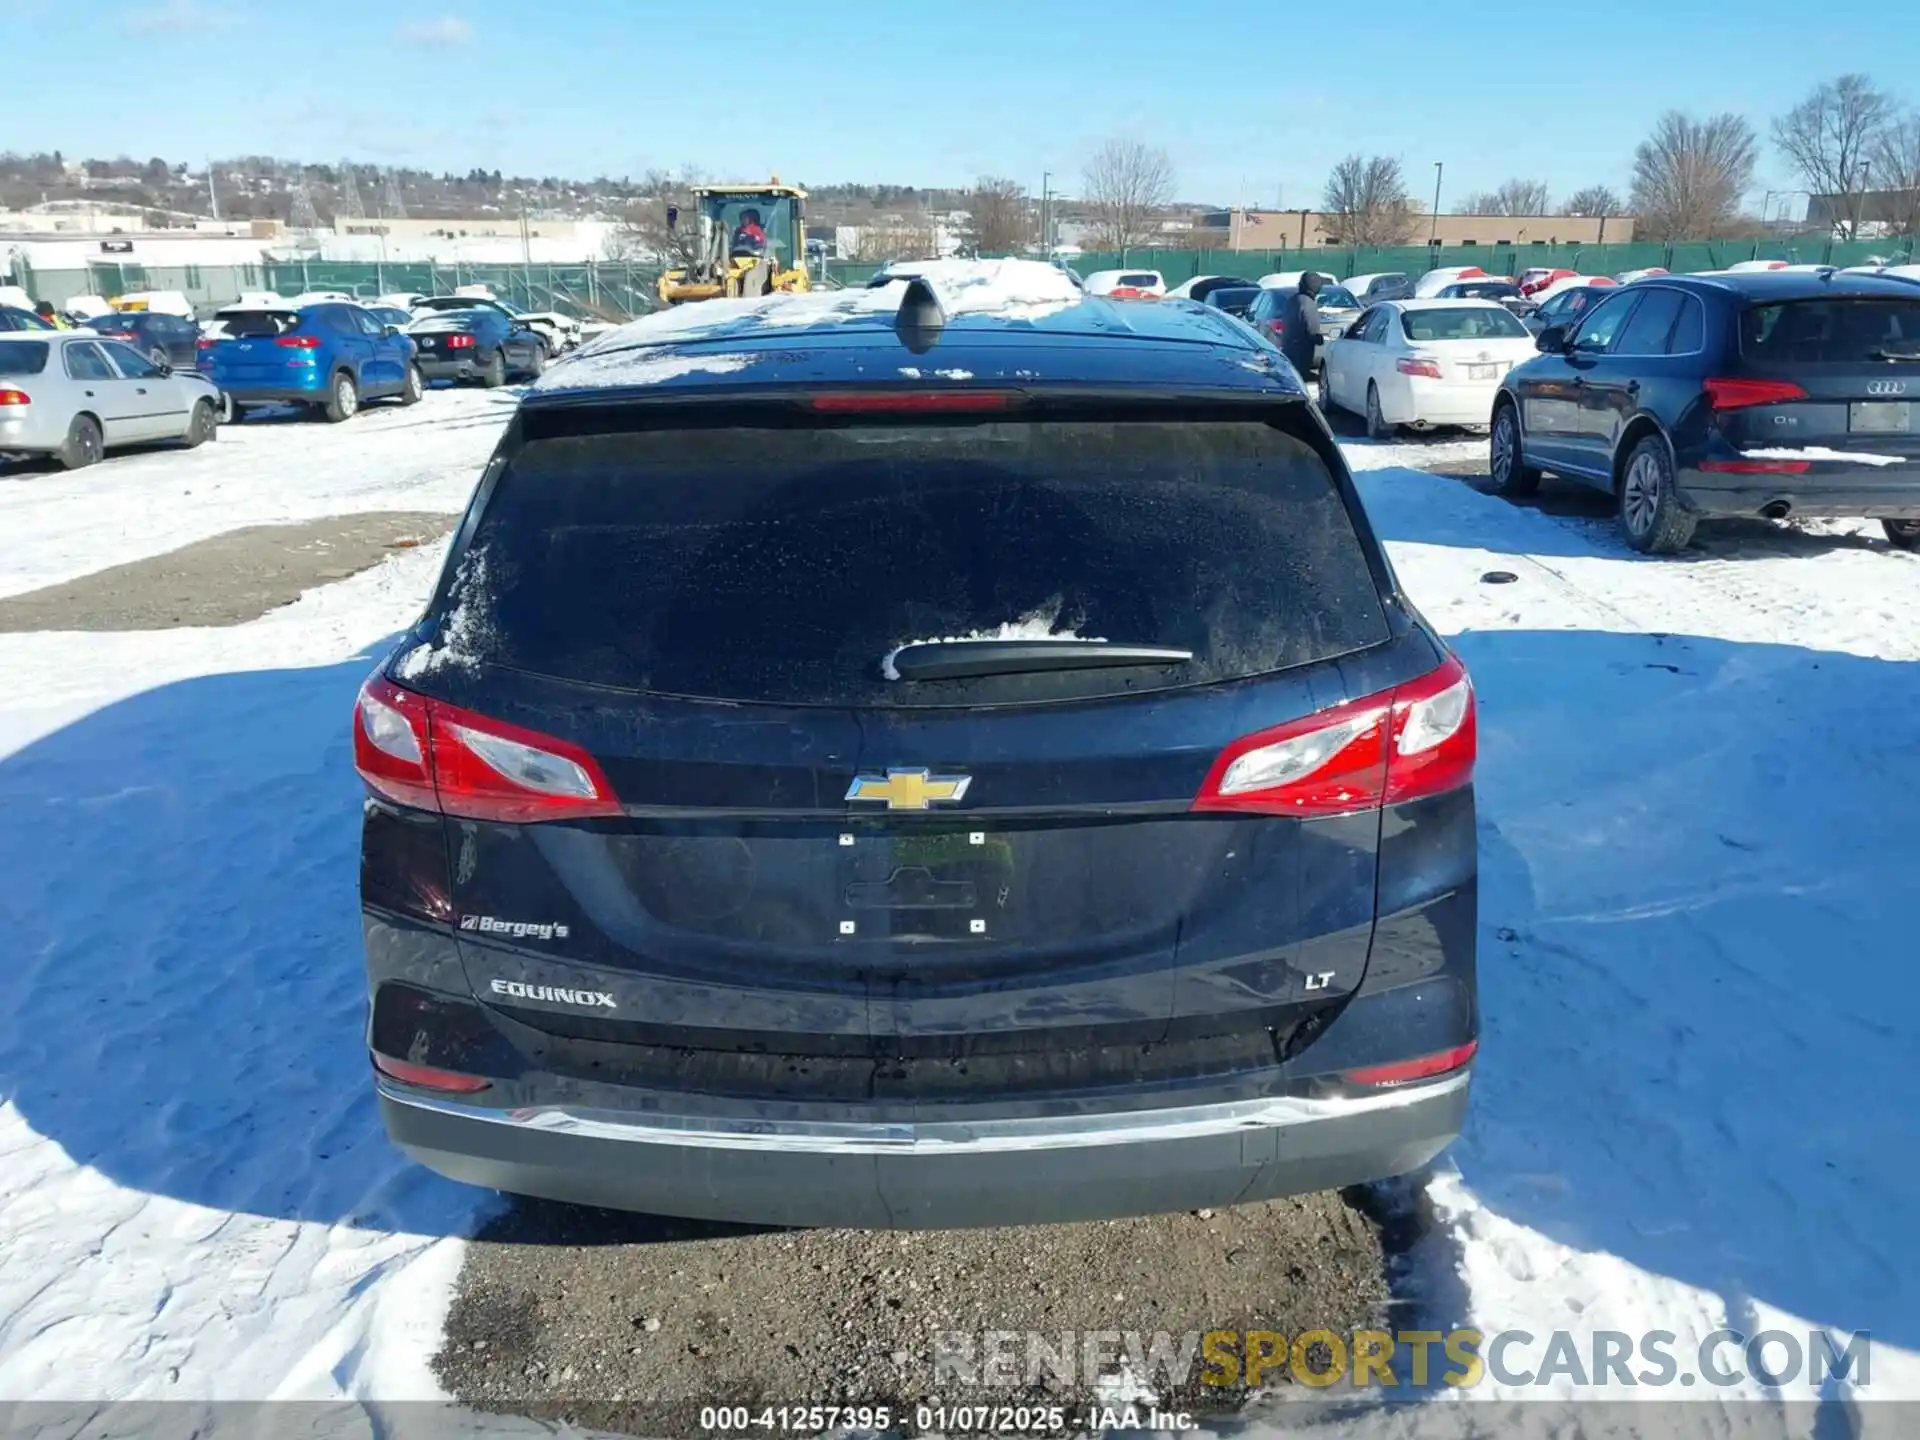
column 1885, row 354
column 963, row 659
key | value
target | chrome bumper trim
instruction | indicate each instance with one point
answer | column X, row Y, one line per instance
column 943, row 1137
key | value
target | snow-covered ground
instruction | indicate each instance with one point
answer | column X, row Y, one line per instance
column 1694, row 1101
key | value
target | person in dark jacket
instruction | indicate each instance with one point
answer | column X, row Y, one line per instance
column 1300, row 324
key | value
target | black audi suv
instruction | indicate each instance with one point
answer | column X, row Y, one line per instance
column 888, row 758
column 1692, row 396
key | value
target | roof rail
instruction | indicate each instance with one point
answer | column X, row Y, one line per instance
column 920, row 318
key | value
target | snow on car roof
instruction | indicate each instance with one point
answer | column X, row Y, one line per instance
column 1002, row 289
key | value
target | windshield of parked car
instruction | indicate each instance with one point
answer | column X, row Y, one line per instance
column 1235, row 300
column 1840, row 329
column 1138, row 280
column 1336, row 297
column 746, row 563
column 1465, row 323
column 23, row 357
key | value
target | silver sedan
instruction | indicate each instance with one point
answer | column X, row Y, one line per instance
column 74, row 395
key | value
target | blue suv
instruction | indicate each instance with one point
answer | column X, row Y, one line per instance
column 329, row 357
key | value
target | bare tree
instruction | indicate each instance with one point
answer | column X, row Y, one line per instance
column 1831, row 137
column 1127, row 184
column 1896, row 163
column 1366, row 202
column 892, row 237
column 1594, row 201
column 1689, row 175
column 998, row 221
column 1514, row 197
column 644, row 233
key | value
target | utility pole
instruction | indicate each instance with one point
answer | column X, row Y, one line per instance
column 1859, row 209
column 1433, row 220
column 1046, row 214
column 213, row 196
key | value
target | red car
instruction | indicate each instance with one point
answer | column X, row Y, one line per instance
column 1542, row 276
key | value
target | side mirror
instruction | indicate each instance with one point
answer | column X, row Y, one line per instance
column 1552, row 340
column 165, row 367
column 393, row 329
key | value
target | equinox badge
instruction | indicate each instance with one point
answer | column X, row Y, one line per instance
column 909, row 789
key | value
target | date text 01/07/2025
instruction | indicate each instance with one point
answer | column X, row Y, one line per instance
column 949, row 1420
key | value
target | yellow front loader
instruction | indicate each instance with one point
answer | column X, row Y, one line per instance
column 752, row 240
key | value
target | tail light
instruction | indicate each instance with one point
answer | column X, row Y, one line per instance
column 434, row 756
column 1415, row 740
column 14, row 397
column 426, row 1077
column 1424, row 1067
column 460, row 342
column 1731, row 394
column 298, row 342
column 118, row 335
column 203, row 343
column 1430, row 369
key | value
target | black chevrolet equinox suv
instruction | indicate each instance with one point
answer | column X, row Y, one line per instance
column 946, row 754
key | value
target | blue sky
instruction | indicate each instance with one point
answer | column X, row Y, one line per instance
column 924, row 93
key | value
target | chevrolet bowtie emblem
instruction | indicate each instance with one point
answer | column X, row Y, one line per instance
column 909, row 789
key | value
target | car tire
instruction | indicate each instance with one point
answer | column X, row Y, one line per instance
column 343, row 399
column 1323, row 394
column 1902, row 534
column 203, row 426
column 1508, row 474
column 538, row 364
column 85, row 445
column 494, row 373
column 1377, row 426
column 1651, row 515
column 413, row 387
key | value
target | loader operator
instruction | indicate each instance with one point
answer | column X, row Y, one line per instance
column 750, row 237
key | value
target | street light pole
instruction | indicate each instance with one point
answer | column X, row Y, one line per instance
column 1046, row 215
column 1433, row 220
column 1866, row 182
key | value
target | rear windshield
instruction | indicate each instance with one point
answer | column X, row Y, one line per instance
column 451, row 303
column 116, row 324
column 23, row 357
column 1138, row 280
column 1482, row 290
column 1839, row 330
column 788, row 565
column 246, row 324
column 1234, row 300
column 447, row 320
column 1475, row 323
column 1336, row 297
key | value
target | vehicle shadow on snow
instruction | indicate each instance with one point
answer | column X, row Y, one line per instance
column 178, row 878
column 1696, row 962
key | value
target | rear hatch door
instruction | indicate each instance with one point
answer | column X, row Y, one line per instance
column 249, row 352
column 832, row 843
column 1857, row 361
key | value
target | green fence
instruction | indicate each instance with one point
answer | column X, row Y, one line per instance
column 608, row 290
column 1180, row 265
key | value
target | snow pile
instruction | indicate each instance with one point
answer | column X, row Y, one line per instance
column 591, row 369
column 1004, row 289
column 1821, row 452
column 1041, row 623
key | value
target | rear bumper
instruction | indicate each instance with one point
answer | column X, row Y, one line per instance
column 1435, row 402
column 1825, row 488
column 434, row 367
column 34, row 428
column 941, row 1175
column 311, row 391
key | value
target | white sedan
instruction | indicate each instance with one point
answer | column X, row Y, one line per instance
column 1290, row 279
column 1422, row 363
